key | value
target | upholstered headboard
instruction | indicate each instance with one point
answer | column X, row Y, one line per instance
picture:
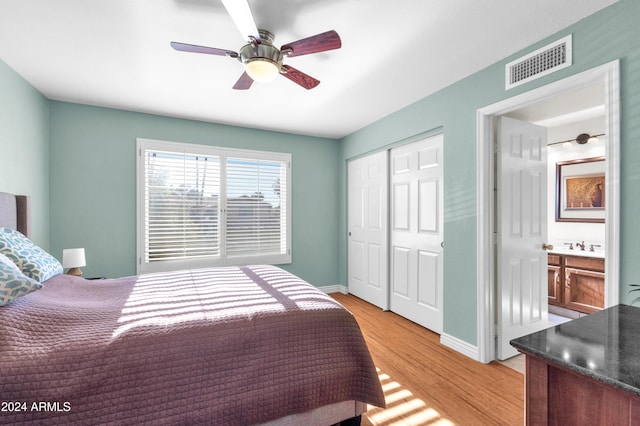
column 14, row 212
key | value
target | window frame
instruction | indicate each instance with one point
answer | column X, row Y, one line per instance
column 142, row 266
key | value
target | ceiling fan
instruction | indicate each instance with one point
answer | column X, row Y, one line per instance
column 262, row 61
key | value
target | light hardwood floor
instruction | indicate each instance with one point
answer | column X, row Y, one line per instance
column 426, row 383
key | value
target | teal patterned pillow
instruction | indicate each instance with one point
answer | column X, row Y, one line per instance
column 13, row 283
column 28, row 257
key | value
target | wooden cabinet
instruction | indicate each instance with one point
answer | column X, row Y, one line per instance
column 584, row 283
column 576, row 282
column 584, row 372
column 558, row 396
column 555, row 280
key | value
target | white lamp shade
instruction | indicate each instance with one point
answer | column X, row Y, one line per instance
column 73, row 258
column 262, row 70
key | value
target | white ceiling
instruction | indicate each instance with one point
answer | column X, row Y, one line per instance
column 583, row 104
column 568, row 114
column 116, row 54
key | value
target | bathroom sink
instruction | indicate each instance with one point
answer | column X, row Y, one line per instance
column 576, row 252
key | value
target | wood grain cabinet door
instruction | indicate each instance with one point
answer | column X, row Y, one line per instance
column 555, row 285
column 584, row 290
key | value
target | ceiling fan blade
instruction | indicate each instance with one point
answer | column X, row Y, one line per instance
column 242, row 17
column 183, row 47
column 317, row 43
column 244, row 82
column 299, row 77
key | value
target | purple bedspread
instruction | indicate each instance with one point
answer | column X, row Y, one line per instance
column 214, row 346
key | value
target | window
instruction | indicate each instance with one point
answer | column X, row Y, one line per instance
column 202, row 206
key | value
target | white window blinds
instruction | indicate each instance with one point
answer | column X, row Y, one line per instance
column 204, row 206
column 256, row 212
column 181, row 206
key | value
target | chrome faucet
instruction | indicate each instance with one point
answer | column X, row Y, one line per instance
column 581, row 245
column 570, row 245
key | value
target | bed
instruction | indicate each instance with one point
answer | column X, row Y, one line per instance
column 225, row 346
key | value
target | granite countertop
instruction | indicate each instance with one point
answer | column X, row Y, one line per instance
column 604, row 346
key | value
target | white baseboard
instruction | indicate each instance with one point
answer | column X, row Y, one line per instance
column 460, row 345
column 334, row 289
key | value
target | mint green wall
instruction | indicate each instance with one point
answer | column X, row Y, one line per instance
column 88, row 154
column 24, row 147
column 603, row 37
column 93, row 185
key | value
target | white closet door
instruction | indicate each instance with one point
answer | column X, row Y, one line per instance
column 416, row 232
column 368, row 229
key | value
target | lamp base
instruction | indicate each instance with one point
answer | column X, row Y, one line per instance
column 74, row 271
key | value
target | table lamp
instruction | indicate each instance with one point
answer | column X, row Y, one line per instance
column 73, row 259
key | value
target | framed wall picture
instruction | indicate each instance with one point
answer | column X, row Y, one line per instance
column 580, row 190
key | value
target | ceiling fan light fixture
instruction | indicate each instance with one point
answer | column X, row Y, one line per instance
column 262, row 70
column 261, row 60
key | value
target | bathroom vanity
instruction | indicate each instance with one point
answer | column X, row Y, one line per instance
column 586, row 371
column 576, row 280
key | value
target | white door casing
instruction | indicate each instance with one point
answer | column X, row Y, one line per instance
column 522, row 231
column 609, row 74
column 416, row 232
column 368, row 229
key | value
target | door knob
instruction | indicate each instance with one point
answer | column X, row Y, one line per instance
column 546, row 246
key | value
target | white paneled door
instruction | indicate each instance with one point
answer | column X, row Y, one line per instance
column 522, row 232
column 416, row 246
column 368, row 229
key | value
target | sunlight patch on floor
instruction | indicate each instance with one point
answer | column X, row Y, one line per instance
column 403, row 409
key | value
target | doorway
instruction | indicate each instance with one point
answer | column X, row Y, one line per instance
column 488, row 215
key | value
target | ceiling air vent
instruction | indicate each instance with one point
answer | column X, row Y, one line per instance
column 546, row 60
